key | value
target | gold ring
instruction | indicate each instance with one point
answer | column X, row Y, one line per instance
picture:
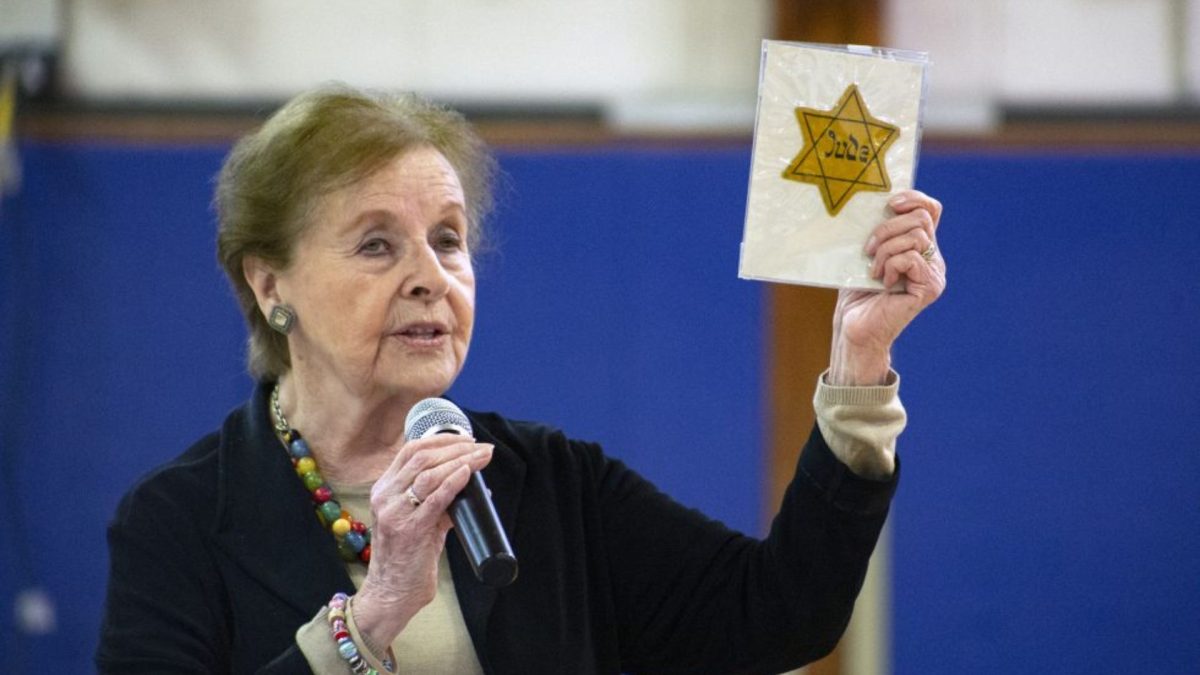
column 927, row 254
column 412, row 497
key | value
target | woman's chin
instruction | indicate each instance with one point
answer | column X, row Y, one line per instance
column 419, row 380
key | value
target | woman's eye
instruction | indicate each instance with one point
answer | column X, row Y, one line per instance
column 448, row 240
column 374, row 247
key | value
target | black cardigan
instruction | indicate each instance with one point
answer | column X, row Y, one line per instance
column 217, row 559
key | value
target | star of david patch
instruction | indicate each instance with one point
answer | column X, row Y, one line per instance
column 843, row 150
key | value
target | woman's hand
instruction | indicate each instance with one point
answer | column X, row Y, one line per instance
column 866, row 323
column 407, row 538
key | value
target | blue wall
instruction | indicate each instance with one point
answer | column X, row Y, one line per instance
column 1047, row 520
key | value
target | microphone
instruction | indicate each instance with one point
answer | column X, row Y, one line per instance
column 475, row 520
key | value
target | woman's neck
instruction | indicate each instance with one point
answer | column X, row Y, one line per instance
column 354, row 438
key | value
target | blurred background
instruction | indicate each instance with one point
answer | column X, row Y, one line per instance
column 1048, row 519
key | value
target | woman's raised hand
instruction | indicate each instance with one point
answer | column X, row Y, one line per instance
column 409, row 503
column 865, row 323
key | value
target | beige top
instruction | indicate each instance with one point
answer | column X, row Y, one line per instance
column 860, row 424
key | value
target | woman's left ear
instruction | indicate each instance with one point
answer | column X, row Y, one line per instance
column 262, row 279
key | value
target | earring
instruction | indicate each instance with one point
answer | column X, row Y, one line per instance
column 282, row 318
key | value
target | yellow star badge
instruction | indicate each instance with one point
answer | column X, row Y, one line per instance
column 843, row 150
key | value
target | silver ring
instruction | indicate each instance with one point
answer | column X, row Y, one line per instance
column 412, row 497
column 927, row 254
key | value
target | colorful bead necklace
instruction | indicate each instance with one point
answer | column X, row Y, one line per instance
column 353, row 537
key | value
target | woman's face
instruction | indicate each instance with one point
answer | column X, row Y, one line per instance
column 382, row 282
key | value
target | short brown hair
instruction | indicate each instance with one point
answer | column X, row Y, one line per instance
column 318, row 142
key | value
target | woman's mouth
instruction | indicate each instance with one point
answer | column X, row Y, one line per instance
column 422, row 334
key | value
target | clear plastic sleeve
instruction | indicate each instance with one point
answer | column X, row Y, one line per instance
column 837, row 132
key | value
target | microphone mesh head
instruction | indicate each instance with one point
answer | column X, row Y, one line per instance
column 426, row 404
column 432, row 415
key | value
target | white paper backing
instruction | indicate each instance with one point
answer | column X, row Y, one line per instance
column 789, row 236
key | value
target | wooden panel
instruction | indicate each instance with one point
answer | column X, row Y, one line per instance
column 800, row 333
column 801, row 317
column 833, row 21
column 1143, row 133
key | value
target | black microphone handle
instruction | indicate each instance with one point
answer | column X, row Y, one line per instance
column 482, row 537
column 476, row 522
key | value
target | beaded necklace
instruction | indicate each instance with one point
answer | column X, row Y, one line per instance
column 353, row 537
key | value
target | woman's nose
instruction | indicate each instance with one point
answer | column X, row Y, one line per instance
column 426, row 279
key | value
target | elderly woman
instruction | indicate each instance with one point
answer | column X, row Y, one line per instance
column 347, row 225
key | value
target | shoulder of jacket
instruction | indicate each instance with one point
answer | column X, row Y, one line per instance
column 532, row 439
column 188, row 481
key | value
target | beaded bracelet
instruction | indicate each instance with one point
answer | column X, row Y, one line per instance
column 341, row 635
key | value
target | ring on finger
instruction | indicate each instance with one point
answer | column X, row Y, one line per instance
column 928, row 253
column 412, row 497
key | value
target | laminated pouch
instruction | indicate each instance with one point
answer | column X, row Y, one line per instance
column 836, row 134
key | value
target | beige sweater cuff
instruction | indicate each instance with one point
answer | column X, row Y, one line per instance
column 318, row 647
column 860, row 424
column 371, row 653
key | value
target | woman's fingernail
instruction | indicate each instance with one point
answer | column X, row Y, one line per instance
column 898, row 200
column 870, row 248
